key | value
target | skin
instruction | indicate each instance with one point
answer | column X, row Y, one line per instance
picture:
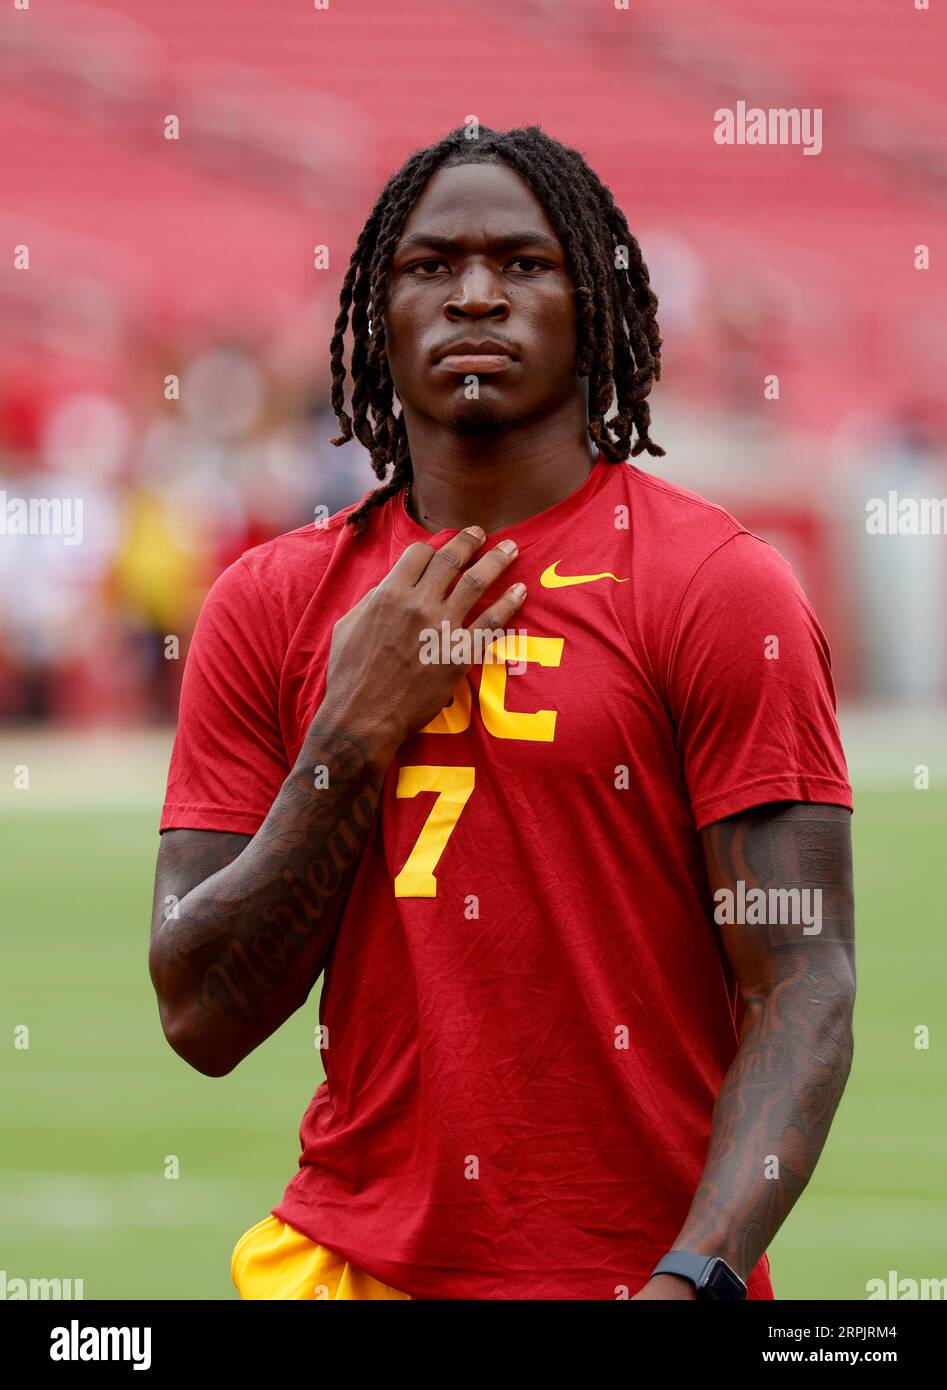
column 255, row 917
column 478, row 257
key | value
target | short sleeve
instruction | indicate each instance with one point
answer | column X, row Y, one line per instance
column 229, row 759
column 750, row 687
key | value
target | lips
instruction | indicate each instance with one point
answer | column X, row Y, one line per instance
column 483, row 357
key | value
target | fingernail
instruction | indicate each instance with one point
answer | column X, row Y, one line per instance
column 476, row 532
column 509, row 547
column 518, row 590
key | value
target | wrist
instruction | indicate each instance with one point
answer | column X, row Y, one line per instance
column 366, row 746
column 710, row 1275
column 672, row 1286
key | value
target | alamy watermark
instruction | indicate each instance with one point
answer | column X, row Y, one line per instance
column 773, row 125
column 42, row 516
column 77, row 1343
column 12, row 1288
column 895, row 515
column 901, row 1287
column 769, row 907
column 464, row 646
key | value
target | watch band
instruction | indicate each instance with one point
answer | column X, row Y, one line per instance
column 711, row 1276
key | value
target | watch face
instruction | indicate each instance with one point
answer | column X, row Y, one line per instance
column 723, row 1283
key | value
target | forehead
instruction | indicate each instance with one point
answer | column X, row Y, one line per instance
column 467, row 200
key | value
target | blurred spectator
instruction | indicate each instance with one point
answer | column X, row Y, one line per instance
column 85, row 628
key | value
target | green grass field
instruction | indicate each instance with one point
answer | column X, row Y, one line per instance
column 93, row 1109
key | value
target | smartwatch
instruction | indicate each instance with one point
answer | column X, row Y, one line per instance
column 711, row 1276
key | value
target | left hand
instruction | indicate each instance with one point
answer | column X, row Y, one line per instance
column 667, row 1286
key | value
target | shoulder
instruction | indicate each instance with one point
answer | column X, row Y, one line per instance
column 707, row 587
column 683, row 526
column 690, row 547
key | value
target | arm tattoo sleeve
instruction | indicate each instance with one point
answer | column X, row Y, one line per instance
column 780, row 1094
column 244, row 946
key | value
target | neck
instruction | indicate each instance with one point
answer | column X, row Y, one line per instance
column 496, row 480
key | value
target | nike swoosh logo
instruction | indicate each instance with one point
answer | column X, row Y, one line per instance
column 549, row 579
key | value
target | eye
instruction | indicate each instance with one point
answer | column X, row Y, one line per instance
column 532, row 265
column 431, row 265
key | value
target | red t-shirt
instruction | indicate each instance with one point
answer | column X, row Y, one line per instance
column 525, row 1042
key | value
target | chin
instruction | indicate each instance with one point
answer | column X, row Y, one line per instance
column 477, row 417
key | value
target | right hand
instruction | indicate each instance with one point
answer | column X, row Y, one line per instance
column 375, row 677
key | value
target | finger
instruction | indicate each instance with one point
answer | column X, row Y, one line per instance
column 450, row 560
column 475, row 581
column 413, row 562
column 410, row 565
column 500, row 611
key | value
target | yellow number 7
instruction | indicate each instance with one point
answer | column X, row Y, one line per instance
column 453, row 786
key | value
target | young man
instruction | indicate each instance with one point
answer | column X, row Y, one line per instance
column 554, row 1055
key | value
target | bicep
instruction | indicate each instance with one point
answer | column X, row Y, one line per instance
column 781, row 880
column 187, row 858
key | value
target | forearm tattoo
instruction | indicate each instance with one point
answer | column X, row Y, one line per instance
column 777, row 1102
column 249, row 940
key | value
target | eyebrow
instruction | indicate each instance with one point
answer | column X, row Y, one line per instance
column 509, row 242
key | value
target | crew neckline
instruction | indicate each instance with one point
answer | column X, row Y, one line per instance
column 524, row 532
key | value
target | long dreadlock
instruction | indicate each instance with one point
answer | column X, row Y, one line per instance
column 619, row 346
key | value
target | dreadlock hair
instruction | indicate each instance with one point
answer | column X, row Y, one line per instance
column 618, row 343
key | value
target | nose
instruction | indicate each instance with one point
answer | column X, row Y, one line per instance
column 478, row 294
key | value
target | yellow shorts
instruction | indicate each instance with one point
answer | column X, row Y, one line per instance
column 273, row 1260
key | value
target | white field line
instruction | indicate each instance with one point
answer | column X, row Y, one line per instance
column 84, row 1202
column 84, row 771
